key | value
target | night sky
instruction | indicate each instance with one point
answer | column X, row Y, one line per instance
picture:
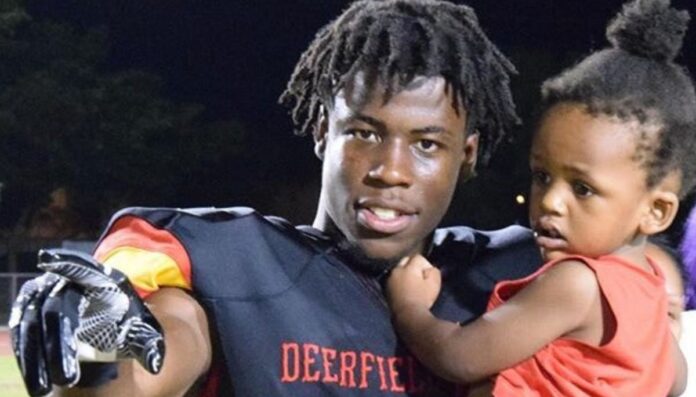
column 235, row 57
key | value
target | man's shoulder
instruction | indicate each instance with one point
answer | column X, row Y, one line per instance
column 509, row 252
column 240, row 224
column 473, row 261
column 161, row 215
column 509, row 236
column 171, row 217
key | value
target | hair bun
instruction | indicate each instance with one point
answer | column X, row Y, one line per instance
column 649, row 28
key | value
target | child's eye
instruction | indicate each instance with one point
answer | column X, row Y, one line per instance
column 582, row 189
column 540, row 178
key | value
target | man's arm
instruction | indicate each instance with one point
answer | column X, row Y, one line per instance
column 188, row 355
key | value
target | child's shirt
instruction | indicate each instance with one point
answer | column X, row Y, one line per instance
column 636, row 361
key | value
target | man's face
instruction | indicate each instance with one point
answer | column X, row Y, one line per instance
column 390, row 169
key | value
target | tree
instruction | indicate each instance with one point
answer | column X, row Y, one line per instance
column 111, row 137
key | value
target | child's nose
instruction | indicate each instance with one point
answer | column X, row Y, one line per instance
column 553, row 200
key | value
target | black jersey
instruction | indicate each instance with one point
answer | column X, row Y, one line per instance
column 289, row 316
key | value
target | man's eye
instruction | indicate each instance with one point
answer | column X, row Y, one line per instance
column 427, row 145
column 582, row 190
column 364, row 135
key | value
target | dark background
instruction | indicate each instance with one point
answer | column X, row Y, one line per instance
column 234, row 58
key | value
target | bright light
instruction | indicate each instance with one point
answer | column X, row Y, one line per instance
column 520, row 199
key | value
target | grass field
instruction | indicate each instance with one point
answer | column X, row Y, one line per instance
column 10, row 381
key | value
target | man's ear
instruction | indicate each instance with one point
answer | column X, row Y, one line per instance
column 320, row 132
column 470, row 156
column 663, row 204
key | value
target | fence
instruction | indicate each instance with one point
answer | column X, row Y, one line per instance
column 9, row 286
column 18, row 264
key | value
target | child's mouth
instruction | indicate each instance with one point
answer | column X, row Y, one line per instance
column 549, row 238
column 549, row 233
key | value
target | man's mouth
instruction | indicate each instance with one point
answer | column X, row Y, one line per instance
column 384, row 220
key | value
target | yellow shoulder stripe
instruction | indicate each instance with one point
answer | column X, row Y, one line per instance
column 147, row 270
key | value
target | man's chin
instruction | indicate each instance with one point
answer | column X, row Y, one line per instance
column 362, row 261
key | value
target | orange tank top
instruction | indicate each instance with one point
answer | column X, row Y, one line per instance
column 636, row 361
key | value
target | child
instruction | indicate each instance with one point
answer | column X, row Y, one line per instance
column 610, row 161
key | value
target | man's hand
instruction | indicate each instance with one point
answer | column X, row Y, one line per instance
column 78, row 299
column 413, row 283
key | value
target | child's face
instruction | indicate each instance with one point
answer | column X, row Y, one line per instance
column 588, row 192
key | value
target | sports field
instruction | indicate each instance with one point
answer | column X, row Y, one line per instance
column 10, row 382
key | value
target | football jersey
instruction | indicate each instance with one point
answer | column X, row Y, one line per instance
column 289, row 314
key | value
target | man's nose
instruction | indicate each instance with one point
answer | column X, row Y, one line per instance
column 392, row 165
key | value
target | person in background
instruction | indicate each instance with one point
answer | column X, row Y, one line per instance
column 688, row 252
column 670, row 262
column 58, row 220
column 687, row 248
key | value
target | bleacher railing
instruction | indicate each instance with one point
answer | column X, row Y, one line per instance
column 18, row 265
column 9, row 286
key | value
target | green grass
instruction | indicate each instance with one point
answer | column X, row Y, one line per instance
column 10, row 381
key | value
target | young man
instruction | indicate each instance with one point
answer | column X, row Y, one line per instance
column 401, row 97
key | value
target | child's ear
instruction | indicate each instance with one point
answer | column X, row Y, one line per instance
column 663, row 205
column 320, row 131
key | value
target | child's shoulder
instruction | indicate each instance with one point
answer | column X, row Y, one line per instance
column 571, row 270
column 571, row 280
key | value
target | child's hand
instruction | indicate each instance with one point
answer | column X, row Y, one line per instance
column 414, row 282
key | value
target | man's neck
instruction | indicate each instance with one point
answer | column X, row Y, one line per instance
column 322, row 221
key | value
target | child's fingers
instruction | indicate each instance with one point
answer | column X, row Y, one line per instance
column 431, row 272
column 420, row 264
column 416, row 261
column 403, row 262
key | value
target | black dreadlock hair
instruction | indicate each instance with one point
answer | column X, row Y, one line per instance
column 392, row 42
column 638, row 79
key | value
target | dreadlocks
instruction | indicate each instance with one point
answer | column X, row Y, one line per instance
column 392, row 42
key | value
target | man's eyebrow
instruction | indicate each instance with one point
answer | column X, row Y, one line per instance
column 430, row 129
column 366, row 119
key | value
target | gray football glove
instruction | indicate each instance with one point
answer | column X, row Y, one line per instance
column 79, row 300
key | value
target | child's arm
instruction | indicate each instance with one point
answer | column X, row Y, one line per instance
column 556, row 303
column 679, row 384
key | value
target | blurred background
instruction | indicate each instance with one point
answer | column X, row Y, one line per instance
column 174, row 103
column 106, row 104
